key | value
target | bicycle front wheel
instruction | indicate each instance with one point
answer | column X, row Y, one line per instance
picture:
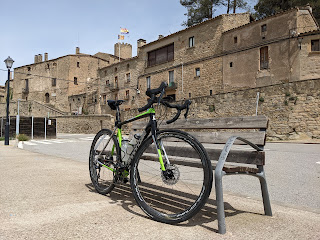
column 178, row 193
column 104, row 154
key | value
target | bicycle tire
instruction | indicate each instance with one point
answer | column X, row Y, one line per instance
column 102, row 178
column 180, row 197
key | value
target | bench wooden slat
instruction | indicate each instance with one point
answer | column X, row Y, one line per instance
column 236, row 156
column 257, row 138
column 190, row 163
column 245, row 122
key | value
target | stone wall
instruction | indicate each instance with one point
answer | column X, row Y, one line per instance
column 292, row 108
column 90, row 124
column 29, row 108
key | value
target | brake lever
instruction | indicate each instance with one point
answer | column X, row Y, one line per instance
column 161, row 95
column 186, row 114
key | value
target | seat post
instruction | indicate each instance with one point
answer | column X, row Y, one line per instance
column 118, row 115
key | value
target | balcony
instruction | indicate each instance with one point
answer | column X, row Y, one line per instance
column 114, row 86
column 172, row 86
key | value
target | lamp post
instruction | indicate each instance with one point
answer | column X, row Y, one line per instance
column 9, row 61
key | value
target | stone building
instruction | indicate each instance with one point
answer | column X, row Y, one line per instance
column 2, row 94
column 62, row 82
column 272, row 50
column 183, row 59
column 229, row 52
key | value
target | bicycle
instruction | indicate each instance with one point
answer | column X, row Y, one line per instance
column 165, row 189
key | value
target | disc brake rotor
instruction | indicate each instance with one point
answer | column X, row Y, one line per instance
column 171, row 175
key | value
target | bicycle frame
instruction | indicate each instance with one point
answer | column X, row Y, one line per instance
column 151, row 126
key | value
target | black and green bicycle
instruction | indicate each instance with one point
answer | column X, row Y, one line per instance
column 166, row 189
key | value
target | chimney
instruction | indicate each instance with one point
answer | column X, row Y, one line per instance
column 77, row 50
column 35, row 58
column 39, row 58
column 141, row 42
column 160, row 36
column 45, row 56
column 309, row 7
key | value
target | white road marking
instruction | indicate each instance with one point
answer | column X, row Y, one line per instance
column 87, row 138
column 43, row 142
column 29, row 143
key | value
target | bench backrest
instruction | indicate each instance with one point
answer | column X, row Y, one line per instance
column 218, row 130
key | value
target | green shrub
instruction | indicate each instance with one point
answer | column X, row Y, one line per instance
column 22, row 137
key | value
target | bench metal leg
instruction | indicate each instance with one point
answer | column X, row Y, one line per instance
column 218, row 174
column 264, row 191
column 220, row 204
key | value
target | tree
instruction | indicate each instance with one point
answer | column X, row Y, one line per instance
column 201, row 10
column 268, row 7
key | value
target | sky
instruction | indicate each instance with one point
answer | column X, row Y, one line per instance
column 57, row 27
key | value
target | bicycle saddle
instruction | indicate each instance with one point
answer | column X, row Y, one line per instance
column 113, row 104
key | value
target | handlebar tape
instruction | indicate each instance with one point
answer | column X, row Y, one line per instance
column 149, row 104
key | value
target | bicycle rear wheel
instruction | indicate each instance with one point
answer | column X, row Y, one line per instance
column 102, row 159
column 178, row 194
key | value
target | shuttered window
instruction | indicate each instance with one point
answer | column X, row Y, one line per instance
column 264, row 58
column 315, row 45
column 161, row 55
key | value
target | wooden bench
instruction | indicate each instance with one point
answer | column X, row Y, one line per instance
column 250, row 130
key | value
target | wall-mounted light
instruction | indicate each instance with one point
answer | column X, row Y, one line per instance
column 300, row 42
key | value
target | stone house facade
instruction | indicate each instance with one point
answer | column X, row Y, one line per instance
column 59, row 82
column 227, row 53
column 269, row 51
column 176, row 59
column 2, row 94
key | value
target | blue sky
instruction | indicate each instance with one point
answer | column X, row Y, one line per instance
column 59, row 26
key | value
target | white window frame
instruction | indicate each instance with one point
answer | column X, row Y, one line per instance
column 191, row 41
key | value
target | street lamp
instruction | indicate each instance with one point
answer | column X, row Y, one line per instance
column 9, row 61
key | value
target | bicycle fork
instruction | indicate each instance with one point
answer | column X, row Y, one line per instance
column 158, row 144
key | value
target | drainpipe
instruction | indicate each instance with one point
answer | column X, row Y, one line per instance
column 182, row 77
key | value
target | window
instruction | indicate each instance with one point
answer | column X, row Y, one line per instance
column 264, row 58
column 78, row 64
column 231, row 64
column 191, row 41
column 47, row 96
column 116, row 82
column 197, row 72
column 235, row 40
column 104, row 99
column 161, row 55
column 315, row 45
column 171, row 77
column 29, row 69
column 128, row 77
column 54, row 82
column 108, row 83
column 75, row 81
column 128, row 66
column 115, row 69
column 210, row 92
column 148, row 82
column 264, row 28
column 189, row 95
column 127, row 94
